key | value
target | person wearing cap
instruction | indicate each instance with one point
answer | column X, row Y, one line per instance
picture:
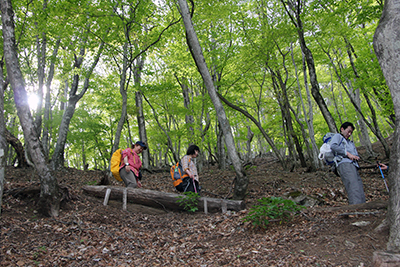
column 131, row 164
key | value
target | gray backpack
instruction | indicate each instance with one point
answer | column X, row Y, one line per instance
column 326, row 153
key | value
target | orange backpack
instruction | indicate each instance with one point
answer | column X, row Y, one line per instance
column 177, row 173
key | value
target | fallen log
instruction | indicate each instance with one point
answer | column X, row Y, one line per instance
column 163, row 200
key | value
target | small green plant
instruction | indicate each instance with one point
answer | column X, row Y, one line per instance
column 189, row 201
column 272, row 208
column 91, row 183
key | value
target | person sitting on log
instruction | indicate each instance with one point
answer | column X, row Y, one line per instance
column 130, row 168
column 190, row 183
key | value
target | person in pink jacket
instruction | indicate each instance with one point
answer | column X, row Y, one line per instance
column 130, row 167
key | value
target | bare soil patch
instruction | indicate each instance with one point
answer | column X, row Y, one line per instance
column 89, row 234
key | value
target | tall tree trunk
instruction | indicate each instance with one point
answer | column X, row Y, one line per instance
column 58, row 156
column 41, row 43
column 387, row 49
column 291, row 158
column 123, row 92
column 65, row 95
column 312, row 149
column 221, row 155
column 241, row 181
column 47, row 105
column 280, row 83
column 296, row 9
column 250, row 135
column 139, row 106
column 85, row 165
column 49, row 204
column 142, row 128
column 364, row 136
column 3, row 142
column 335, row 102
column 310, row 120
column 186, row 102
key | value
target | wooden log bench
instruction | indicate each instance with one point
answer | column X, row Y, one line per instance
column 158, row 199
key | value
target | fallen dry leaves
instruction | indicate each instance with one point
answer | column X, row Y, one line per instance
column 89, row 234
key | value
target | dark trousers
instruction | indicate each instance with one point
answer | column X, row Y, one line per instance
column 129, row 178
column 188, row 184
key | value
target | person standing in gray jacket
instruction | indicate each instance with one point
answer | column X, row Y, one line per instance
column 347, row 163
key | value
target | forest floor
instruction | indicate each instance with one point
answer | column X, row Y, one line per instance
column 86, row 233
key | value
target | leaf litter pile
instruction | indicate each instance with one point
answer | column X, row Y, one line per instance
column 86, row 233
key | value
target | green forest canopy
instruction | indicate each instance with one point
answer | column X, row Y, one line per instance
column 252, row 49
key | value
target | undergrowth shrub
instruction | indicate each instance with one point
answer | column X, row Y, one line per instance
column 189, row 201
column 272, row 208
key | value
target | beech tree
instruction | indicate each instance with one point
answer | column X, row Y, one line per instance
column 241, row 181
column 294, row 9
column 49, row 192
column 387, row 49
column 74, row 97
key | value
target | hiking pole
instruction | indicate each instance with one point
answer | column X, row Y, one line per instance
column 387, row 188
column 194, row 186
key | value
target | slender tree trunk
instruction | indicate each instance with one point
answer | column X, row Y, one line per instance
column 41, row 44
column 47, row 105
column 65, row 94
column 250, row 136
column 142, row 128
column 387, row 49
column 364, row 136
column 3, row 141
column 204, row 130
column 58, row 156
column 49, row 193
column 310, row 119
column 85, row 165
column 312, row 149
column 140, row 114
column 221, row 155
column 296, row 9
column 288, row 118
column 241, row 181
column 335, row 102
column 186, row 102
column 39, row 93
column 122, row 91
